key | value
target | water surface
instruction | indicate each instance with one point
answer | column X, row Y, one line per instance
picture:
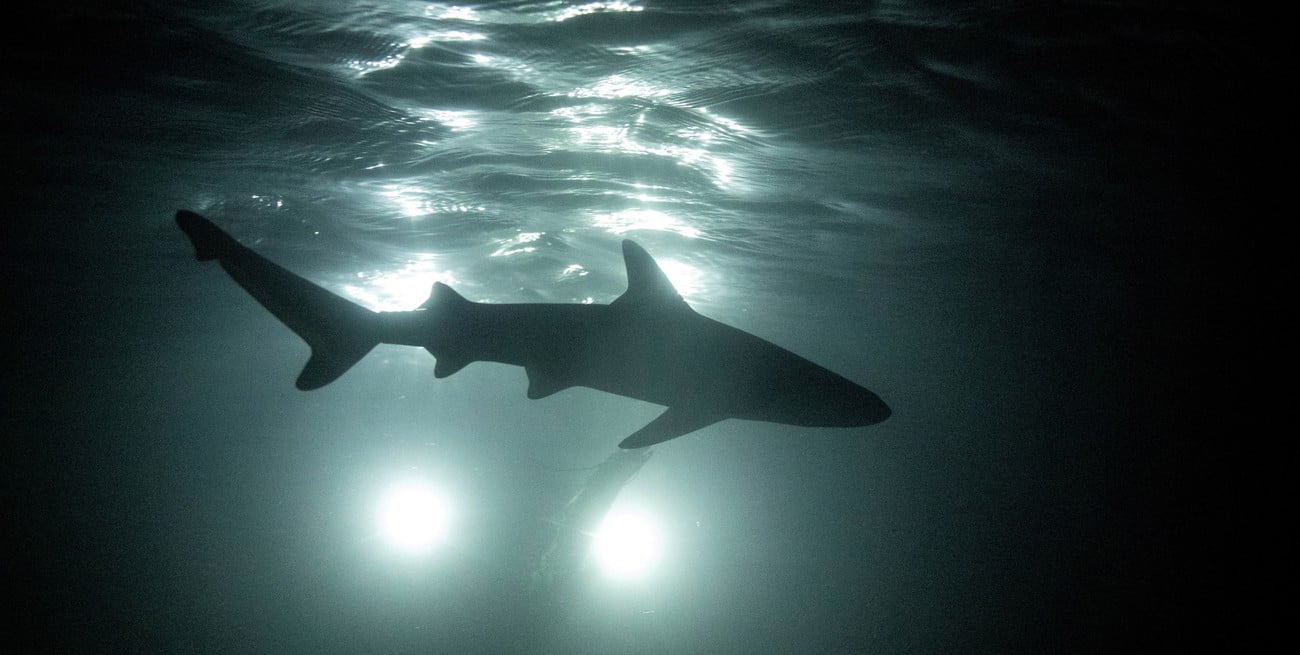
column 985, row 213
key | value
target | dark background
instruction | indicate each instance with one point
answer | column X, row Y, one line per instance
column 1167, row 401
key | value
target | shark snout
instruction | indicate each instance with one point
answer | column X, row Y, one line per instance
column 848, row 404
column 872, row 409
column 836, row 402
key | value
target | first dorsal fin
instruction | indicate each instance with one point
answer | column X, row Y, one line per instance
column 646, row 282
column 443, row 295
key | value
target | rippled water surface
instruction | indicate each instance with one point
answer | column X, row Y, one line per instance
column 982, row 211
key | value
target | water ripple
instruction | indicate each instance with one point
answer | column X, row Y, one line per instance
column 443, row 128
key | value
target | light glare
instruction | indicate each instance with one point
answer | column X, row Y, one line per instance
column 627, row 545
column 413, row 517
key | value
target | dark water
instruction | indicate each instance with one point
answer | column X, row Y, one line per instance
column 991, row 214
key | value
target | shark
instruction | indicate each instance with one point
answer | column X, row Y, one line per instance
column 647, row 344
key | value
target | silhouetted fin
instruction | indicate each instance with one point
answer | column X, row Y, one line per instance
column 448, row 364
column 541, row 384
column 329, row 361
column 339, row 331
column 208, row 239
column 674, row 422
column 646, row 282
column 443, row 296
column 444, row 301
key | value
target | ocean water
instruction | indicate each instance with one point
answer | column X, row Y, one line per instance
column 988, row 213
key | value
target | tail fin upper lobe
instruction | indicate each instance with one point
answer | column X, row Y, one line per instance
column 339, row 331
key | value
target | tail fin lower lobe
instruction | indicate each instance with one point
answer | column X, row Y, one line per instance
column 339, row 331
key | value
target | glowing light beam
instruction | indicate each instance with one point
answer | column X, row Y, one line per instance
column 414, row 517
column 627, row 545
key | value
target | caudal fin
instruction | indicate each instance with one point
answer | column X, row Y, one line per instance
column 208, row 239
column 339, row 331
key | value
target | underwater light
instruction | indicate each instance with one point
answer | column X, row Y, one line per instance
column 627, row 544
column 413, row 517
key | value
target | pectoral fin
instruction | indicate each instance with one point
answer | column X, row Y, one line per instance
column 674, row 422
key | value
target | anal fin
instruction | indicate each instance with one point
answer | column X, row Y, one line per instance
column 448, row 364
column 674, row 422
column 541, row 385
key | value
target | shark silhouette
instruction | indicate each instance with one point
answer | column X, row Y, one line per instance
column 647, row 344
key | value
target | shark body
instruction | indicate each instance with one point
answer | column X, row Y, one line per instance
column 647, row 344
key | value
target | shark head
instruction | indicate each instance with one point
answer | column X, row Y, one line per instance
column 862, row 407
column 814, row 396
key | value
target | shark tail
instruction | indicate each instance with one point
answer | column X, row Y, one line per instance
column 339, row 331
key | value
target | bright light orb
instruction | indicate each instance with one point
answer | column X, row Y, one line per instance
column 627, row 545
column 414, row 517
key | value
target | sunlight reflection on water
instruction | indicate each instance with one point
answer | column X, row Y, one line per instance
column 400, row 289
column 462, row 130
